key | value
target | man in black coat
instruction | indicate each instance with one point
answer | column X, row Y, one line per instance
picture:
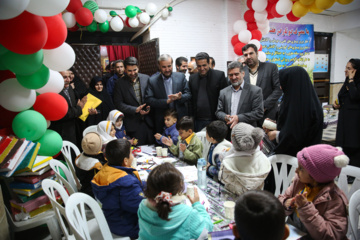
column 205, row 86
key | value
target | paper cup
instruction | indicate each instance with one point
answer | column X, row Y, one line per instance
column 158, row 151
column 164, row 152
column 190, row 190
column 229, row 209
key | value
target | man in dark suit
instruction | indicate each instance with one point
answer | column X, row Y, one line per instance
column 167, row 90
column 264, row 75
column 68, row 127
column 240, row 102
column 129, row 98
column 205, row 87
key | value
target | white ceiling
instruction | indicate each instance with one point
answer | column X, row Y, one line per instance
column 338, row 8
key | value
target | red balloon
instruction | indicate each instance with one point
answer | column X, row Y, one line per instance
column 270, row 16
column 238, row 48
column 84, row 16
column 25, row 34
column 252, row 26
column 74, row 5
column 291, row 17
column 249, row 4
column 256, row 34
column 6, row 118
column 268, row 9
column 127, row 22
column 51, row 105
column 74, row 28
column 57, row 31
column 272, row 1
column 6, row 74
column 275, row 13
column 235, row 40
column 249, row 16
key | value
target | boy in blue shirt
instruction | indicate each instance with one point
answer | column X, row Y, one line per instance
column 119, row 188
column 170, row 131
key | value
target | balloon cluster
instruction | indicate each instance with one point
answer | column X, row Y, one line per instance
column 256, row 19
column 32, row 51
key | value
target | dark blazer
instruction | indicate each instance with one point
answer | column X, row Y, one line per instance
column 67, row 126
column 156, row 97
column 126, row 102
column 268, row 81
column 250, row 108
column 215, row 82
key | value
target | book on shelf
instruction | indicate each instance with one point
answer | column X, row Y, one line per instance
column 32, row 204
column 21, row 216
column 27, row 192
column 9, row 164
column 23, row 185
column 40, row 162
column 4, row 142
column 24, row 199
column 28, row 161
column 8, row 149
column 38, row 173
column 34, row 179
column 12, row 152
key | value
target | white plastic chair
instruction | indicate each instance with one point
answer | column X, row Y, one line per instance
column 283, row 177
column 354, row 213
column 49, row 187
column 66, row 151
column 343, row 184
column 70, row 184
column 89, row 129
column 75, row 213
column 202, row 136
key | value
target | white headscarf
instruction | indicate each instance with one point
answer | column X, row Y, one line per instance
column 104, row 129
column 113, row 116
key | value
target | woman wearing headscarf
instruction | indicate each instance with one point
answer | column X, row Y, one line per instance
column 96, row 88
column 300, row 120
column 348, row 103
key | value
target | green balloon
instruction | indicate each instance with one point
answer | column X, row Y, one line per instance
column 91, row 5
column 2, row 66
column 92, row 27
column 138, row 9
column 3, row 49
column 35, row 80
column 170, row 9
column 113, row 13
column 29, row 124
column 51, row 143
column 104, row 27
column 130, row 11
column 23, row 64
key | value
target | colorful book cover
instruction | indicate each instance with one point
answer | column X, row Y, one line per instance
column 21, row 216
column 8, row 149
column 38, row 173
column 8, row 165
column 12, row 152
column 34, row 179
column 27, row 192
column 32, row 204
column 23, row 185
column 5, row 141
column 28, row 161
column 40, row 162
column 24, row 199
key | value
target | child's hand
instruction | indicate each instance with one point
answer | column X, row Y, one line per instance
column 167, row 141
column 157, row 136
column 182, row 147
column 131, row 141
column 289, row 203
column 195, row 198
column 272, row 135
column 207, row 166
column 300, row 199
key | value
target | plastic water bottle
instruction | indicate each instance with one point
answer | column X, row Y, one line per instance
column 201, row 166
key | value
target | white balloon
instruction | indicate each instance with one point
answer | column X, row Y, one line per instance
column 283, row 7
column 261, row 56
column 151, row 9
column 55, row 83
column 15, row 97
column 48, row 123
column 255, row 42
column 263, row 24
column 100, row 16
column 12, row 8
column 116, row 24
column 133, row 22
column 47, row 8
column 259, row 5
column 144, row 18
column 239, row 25
column 165, row 13
column 244, row 36
column 264, row 31
column 59, row 59
column 69, row 19
column 261, row 16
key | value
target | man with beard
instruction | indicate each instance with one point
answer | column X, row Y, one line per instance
column 264, row 75
column 181, row 64
column 192, row 68
column 129, row 98
column 118, row 73
column 240, row 102
column 167, row 90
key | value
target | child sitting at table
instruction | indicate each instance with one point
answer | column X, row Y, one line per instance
column 106, row 129
column 314, row 202
column 170, row 119
column 117, row 118
column 90, row 161
column 162, row 214
column 244, row 167
column 216, row 144
column 189, row 147
column 259, row 215
column 119, row 189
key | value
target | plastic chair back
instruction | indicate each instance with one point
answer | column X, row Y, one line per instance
column 354, row 214
column 202, row 136
column 342, row 181
column 66, row 151
column 283, row 177
column 69, row 182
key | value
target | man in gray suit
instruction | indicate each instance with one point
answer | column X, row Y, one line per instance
column 167, row 90
column 129, row 98
column 264, row 75
column 241, row 101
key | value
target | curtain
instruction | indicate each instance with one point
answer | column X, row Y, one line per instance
column 121, row 52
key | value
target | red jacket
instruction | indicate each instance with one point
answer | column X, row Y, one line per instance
column 325, row 217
